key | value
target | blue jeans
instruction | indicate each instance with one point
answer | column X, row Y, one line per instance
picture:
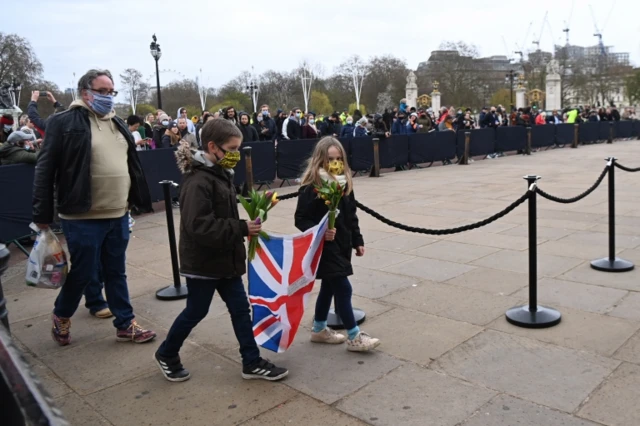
column 97, row 247
column 340, row 289
column 199, row 299
column 93, row 298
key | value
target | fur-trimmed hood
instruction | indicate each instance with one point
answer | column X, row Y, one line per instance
column 186, row 158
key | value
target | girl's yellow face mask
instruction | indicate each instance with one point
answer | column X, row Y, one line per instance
column 336, row 167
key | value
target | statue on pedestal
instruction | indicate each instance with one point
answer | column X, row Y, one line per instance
column 553, row 67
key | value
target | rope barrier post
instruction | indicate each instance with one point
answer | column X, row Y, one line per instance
column 248, row 183
column 610, row 140
column 375, row 170
column 576, row 135
column 612, row 263
column 334, row 321
column 533, row 315
column 467, row 143
column 177, row 290
column 528, row 151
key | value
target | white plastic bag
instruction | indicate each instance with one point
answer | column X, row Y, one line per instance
column 47, row 266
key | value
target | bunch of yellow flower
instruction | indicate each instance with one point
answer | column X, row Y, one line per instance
column 257, row 207
column 331, row 193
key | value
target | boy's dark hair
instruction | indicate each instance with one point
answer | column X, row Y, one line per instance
column 133, row 119
column 218, row 131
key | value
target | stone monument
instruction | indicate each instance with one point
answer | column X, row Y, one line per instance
column 435, row 98
column 411, row 91
column 553, row 87
column 521, row 100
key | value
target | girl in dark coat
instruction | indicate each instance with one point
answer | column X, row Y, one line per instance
column 249, row 133
column 329, row 163
column 309, row 130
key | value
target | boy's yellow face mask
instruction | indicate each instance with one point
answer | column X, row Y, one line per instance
column 230, row 159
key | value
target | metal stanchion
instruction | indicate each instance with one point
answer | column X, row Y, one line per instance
column 248, row 184
column 375, row 170
column 334, row 321
column 528, row 151
column 576, row 135
column 177, row 290
column 533, row 315
column 465, row 155
column 610, row 139
column 4, row 264
column 612, row 263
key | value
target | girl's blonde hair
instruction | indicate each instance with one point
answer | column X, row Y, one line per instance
column 320, row 159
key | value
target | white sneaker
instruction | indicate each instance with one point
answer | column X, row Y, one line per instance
column 329, row 336
column 362, row 343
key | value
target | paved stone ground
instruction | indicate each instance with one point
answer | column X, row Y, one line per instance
column 448, row 356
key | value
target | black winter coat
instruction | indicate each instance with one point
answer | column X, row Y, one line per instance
column 294, row 130
column 65, row 160
column 336, row 255
column 211, row 232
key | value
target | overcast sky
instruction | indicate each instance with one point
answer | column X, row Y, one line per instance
column 225, row 37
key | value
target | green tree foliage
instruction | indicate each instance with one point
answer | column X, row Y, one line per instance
column 502, row 97
column 352, row 108
column 632, row 87
column 319, row 103
column 143, row 109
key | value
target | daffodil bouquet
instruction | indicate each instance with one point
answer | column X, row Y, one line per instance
column 331, row 193
column 257, row 207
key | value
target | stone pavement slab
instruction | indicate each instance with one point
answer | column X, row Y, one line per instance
column 449, row 301
column 401, row 243
column 429, row 269
column 538, row 372
column 216, row 394
column 542, row 231
column 518, row 261
column 79, row 370
column 505, row 410
column 430, row 336
column 586, row 297
column 303, row 410
column 574, row 249
column 582, row 330
column 587, row 275
column 453, row 252
column 375, row 284
column 630, row 351
column 329, row 372
column 628, row 308
column 78, row 412
column 412, row 395
column 494, row 281
column 370, row 307
column 380, row 259
column 616, row 402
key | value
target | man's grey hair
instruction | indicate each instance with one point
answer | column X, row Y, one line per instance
column 181, row 118
column 86, row 80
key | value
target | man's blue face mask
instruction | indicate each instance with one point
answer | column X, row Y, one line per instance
column 101, row 104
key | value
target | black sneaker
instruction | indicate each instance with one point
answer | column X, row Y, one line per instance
column 263, row 369
column 172, row 368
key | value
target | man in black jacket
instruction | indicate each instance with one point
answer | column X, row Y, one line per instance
column 90, row 156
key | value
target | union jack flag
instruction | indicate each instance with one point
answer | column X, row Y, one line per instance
column 281, row 276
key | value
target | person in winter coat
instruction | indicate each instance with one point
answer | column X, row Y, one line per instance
column 347, row 129
column 171, row 136
column 447, row 124
column 412, row 124
column 249, row 133
column 541, row 119
column 361, row 128
column 399, row 126
column 424, row 121
column 309, row 130
column 357, row 115
column 212, row 252
column 332, row 126
column 18, row 149
column 229, row 114
column 185, row 134
column 182, row 113
column 293, row 127
column 265, row 125
column 160, row 129
column 329, row 163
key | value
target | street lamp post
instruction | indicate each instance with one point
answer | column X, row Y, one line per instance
column 253, row 90
column 510, row 78
column 156, row 53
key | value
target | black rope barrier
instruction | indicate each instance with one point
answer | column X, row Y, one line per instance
column 449, row 231
column 578, row 197
column 288, row 196
column 627, row 169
